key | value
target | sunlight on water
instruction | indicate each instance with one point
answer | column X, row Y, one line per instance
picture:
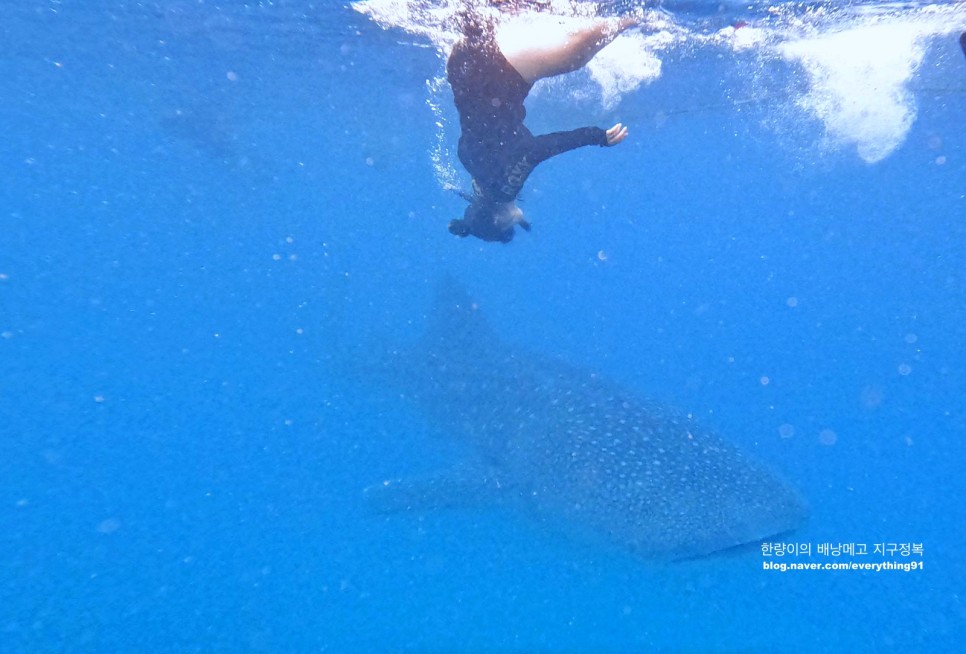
column 857, row 62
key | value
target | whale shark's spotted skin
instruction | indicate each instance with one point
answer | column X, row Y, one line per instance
column 576, row 449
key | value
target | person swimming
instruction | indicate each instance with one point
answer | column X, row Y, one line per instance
column 962, row 42
column 491, row 74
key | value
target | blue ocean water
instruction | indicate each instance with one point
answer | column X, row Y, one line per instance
column 201, row 201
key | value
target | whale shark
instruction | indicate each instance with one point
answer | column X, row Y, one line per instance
column 573, row 449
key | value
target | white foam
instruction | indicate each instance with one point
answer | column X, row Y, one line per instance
column 857, row 66
column 444, row 163
column 623, row 66
column 743, row 38
column 430, row 21
column 858, row 81
column 620, row 68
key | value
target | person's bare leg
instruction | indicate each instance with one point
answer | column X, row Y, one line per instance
column 566, row 50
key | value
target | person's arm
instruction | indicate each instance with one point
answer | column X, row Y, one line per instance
column 550, row 145
column 540, row 148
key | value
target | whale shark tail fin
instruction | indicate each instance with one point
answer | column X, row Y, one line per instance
column 456, row 323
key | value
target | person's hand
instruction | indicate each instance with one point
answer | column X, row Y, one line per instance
column 616, row 134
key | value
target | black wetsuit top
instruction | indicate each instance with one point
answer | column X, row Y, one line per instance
column 495, row 146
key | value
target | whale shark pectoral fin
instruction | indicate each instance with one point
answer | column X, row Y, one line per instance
column 459, row 487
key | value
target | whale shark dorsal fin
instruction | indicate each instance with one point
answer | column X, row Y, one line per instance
column 464, row 485
column 456, row 322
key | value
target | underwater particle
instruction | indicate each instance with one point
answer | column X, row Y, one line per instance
column 601, row 255
column 109, row 526
column 941, row 160
column 764, row 380
column 872, row 397
column 911, row 338
column 6, row 335
column 232, row 76
column 786, row 430
column 370, row 161
column 908, row 440
column 935, row 142
column 827, row 437
column 99, row 399
column 4, row 277
column 792, row 302
column 904, row 369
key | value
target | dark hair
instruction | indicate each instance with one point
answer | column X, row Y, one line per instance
column 458, row 227
column 478, row 221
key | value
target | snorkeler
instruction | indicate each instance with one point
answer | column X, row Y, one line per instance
column 491, row 75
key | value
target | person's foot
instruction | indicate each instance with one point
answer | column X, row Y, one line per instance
column 626, row 22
